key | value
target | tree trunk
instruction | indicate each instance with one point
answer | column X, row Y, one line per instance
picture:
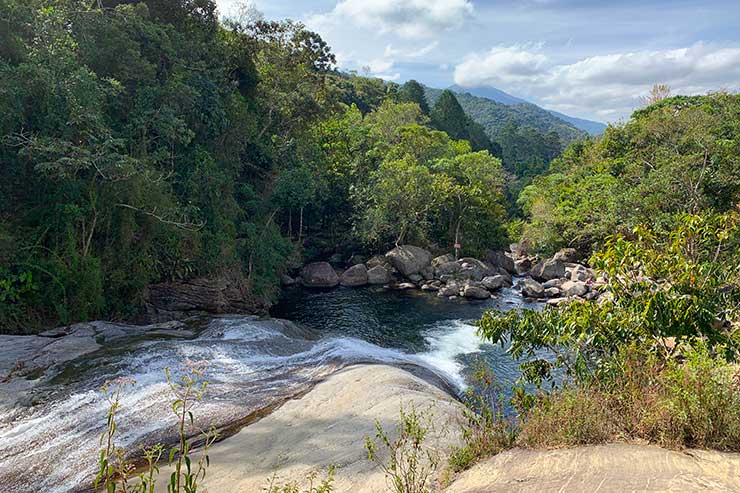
column 457, row 238
column 300, row 227
column 290, row 224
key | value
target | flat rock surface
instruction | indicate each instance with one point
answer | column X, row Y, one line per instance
column 603, row 468
column 327, row 426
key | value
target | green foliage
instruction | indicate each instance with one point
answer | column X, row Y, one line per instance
column 448, row 116
column 411, row 462
column 681, row 285
column 677, row 156
column 326, row 485
column 413, row 92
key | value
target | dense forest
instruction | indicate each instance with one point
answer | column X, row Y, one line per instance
column 150, row 142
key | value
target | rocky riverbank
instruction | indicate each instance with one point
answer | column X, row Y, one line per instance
column 559, row 279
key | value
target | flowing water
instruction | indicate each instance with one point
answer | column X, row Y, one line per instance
column 50, row 444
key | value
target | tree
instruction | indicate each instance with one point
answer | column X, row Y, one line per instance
column 448, row 116
column 413, row 92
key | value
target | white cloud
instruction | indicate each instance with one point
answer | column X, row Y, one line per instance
column 407, row 18
column 609, row 86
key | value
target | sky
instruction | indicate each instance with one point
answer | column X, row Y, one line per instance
column 593, row 59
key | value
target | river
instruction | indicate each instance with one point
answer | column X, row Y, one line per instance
column 50, row 444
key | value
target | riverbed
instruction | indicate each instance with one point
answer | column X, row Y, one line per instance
column 49, row 443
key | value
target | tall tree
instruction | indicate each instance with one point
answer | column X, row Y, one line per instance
column 413, row 92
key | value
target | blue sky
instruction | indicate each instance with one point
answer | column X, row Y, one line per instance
column 589, row 58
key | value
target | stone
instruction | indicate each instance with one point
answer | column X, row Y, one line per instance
column 532, row 288
column 476, row 293
column 409, row 259
column 451, row 289
column 376, row 260
column 404, row 286
column 416, row 278
column 557, row 301
column 500, row 259
column 354, row 276
column 319, row 275
column 552, row 292
column 473, row 269
column 548, row 269
column 427, row 272
column 553, row 283
column 431, row 286
column 442, row 259
column 581, row 273
column 356, row 259
column 494, row 282
column 574, row 288
column 378, row 275
column 286, row 280
column 567, row 255
column 446, row 269
column 522, row 266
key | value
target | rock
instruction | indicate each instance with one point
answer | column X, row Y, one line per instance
column 553, row 283
column 409, row 259
column 451, row 289
column 574, row 288
column 376, row 260
column 473, row 269
column 227, row 293
column 356, row 259
column 557, row 301
column 567, row 255
column 508, row 278
column 416, row 278
column 378, row 275
column 354, row 276
column 476, row 292
column 522, row 266
column 548, row 269
column 432, row 286
column 446, row 269
column 427, row 272
column 442, row 259
column 552, row 292
column 404, row 286
column 319, row 275
column 286, row 280
column 494, row 282
column 581, row 273
column 501, row 259
column 532, row 288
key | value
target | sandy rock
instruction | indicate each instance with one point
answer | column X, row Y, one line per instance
column 354, row 276
column 328, row 426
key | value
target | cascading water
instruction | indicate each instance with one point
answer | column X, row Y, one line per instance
column 51, row 444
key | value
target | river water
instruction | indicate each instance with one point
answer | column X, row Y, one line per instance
column 50, row 444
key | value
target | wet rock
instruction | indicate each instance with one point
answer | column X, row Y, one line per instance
column 319, row 275
column 378, row 275
column 532, row 288
column 354, row 276
column 409, row 259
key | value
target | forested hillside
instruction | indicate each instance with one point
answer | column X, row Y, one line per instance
column 147, row 143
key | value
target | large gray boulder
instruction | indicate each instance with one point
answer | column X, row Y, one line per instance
column 532, row 288
column 494, row 283
column 409, row 259
column 319, row 275
column 548, row 269
column 581, row 273
column 522, row 266
column 442, row 259
column 354, row 276
column 451, row 289
column 574, row 288
column 476, row 292
column 376, row 260
column 378, row 275
column 567, row 255
column 474, row 270
column 502, row 260
column 446, row 269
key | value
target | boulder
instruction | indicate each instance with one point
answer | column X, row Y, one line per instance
column 532, row 288
column 354, row 276
column 522, row 266
column 574, row 288
column 552, row 292
column 431, row 286
column 442, row 259
column 427, row 272
column 476, row 292
column 475, row 270
column 404, row 286
column 416, row 278
column 319, row 275
column 378, row 275
column 451, row 289
column 567, row 255
column 581, row 273
column 286, row 280
column 548, row 269
column 356, row 259
column 376, row 260
column 409, row 259
column 553, row 283
column 557, row 301
column 502, row 260
column 446, row 269
column 494, row 282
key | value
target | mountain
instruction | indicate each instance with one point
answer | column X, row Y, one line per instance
column 495, row 115
column 590, row 126
column 499, row 96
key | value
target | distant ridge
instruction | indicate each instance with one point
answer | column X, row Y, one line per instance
column 489, row 92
